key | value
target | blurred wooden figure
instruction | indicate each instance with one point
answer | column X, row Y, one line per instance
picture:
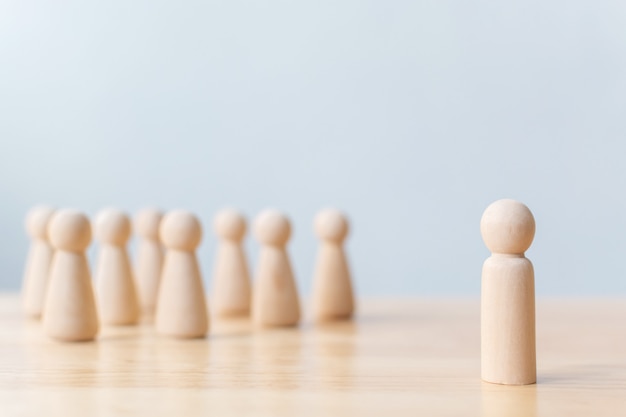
column 70, row 310
column 39, row 260
column 181, row 309
column 231, row 294
column 508, row 295
column 149, row 261
column 115, row 285
column 333, row 297
column 275, row 296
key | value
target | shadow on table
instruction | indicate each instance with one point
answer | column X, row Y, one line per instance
column 508, row 400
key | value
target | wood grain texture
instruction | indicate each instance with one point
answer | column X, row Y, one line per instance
column 399, row 357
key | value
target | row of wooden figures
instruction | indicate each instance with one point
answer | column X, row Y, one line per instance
column 166, row 281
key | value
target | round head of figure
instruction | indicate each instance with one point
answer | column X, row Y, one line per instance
column 272, row 228
column 112, row 226
column 331, row 225
column 37, row 221
column 230, row 225
column 180, row 230
column 69, row 230
column 507, row 226
column 146, row 223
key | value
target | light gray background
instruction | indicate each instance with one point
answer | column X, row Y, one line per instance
column 412, row 116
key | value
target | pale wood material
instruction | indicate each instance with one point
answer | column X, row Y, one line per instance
column 38, row 261
column 333, row 297
column 70, row 310
column 115, row 284
column 149, row 260
column 181, row 310
column 398, row 357
column 508, row 295
column 231, row 295
column 275, row 301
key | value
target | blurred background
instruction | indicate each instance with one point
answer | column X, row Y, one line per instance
column 411, row 116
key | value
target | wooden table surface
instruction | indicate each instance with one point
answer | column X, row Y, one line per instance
column 405, row 356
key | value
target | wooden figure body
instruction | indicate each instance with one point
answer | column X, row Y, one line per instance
column 275, row 297
column 115, row 285
column 508, row 296
column 70, row 310
column 181, row 309
column 39, row 260
column 149, row 261
column 333, row 297
column 231, row 295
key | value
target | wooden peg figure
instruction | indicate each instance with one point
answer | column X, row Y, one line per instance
column 70, row 310
column 231, row 279
column 181, row 309
column 115, row 285
column 508, row 295
column 149, row 261
column 275, row 297
column 38, row 262
column 333, row 297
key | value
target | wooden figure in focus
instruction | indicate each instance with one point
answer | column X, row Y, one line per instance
column 181, row 309
column 508, row 295
column 70, row 309
column 333, row 297
column 149, row 261
column 231, row 280
column 275, row 296
column 38, row 262
column 115, row 285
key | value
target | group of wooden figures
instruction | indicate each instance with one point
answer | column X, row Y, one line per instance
column 166, row 282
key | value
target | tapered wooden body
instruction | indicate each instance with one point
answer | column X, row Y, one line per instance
column 332, row 287
column 116, row 294
column 70, row 310
column 508, row 320
column 148, row 267
column 275, row 301
column 36, row 275
column 231, row 295
column 181, row 306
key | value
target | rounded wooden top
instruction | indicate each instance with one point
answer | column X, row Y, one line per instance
column 37, row 221
column 272, row 228
column 507, row 226
column 332, row 225
column 69, row 230
column 112, row 226
column 180, row 230
column 146, row 223
column 230, row 224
